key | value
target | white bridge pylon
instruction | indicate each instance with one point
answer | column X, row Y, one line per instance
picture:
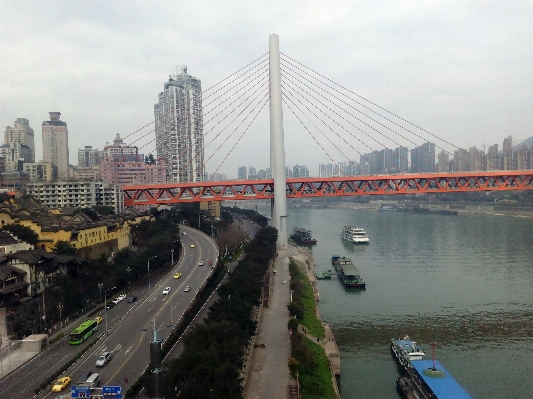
column 277, row 147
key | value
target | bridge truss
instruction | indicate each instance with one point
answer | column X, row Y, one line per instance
column 309, row 187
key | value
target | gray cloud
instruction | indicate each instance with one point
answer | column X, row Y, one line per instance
column 462, row 70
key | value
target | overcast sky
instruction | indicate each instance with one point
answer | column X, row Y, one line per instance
column 461, row 70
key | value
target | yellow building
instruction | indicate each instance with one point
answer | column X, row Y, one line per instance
column 211, row 207
column 91, row 238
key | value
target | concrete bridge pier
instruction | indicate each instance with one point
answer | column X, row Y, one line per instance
column 277, row 148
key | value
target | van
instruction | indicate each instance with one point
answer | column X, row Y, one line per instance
column 93, row 380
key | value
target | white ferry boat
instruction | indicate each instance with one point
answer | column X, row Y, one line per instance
column 354, row 234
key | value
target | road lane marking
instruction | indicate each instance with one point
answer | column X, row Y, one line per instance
column 129, row 357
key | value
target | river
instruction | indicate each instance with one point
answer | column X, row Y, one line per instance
column 464, row 282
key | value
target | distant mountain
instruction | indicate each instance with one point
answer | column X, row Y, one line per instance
column 527, row 142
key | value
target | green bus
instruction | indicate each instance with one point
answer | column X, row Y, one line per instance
column 82, row 332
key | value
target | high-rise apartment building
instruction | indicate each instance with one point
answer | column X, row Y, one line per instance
column 88, row 156
column 15, row 154
column 179, row 127
column 242, row 173
column 55, row 144
column 423, row 158
column 23, row 133
column 300, row 171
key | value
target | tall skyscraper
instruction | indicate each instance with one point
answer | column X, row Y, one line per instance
column 179, row 127
column 55, row 144
column 23, row 133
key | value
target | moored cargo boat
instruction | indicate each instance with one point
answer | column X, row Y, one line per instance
column 324, row 275
column 303, row 236
column 347, row 272
column 428, row 379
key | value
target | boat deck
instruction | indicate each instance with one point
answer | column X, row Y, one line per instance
column 441, row 383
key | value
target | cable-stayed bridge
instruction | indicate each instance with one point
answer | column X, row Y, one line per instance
column 342, row 124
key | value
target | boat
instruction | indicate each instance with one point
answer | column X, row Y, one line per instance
column 303, row 236
column 347, row 272
column 405, row 351
column 428, row 379
column 324, row 275
column 354, row 234
column 393, row 208
column 423, row 379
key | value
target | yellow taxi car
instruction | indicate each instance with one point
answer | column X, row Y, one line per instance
column 60, row 384
column 177, row 275
column 98, row 319
column 192, row 245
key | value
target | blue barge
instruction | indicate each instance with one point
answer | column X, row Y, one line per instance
column 428, row 379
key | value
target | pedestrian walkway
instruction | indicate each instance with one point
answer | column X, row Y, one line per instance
column 268, row 374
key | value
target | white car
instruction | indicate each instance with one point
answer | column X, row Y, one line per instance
column 201, row 263
column 122, row 297
column 116, row 301
column 166, row 290
column 187, row 288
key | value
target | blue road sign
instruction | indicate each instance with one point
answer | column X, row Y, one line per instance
column 112, row 392
column 81, row 391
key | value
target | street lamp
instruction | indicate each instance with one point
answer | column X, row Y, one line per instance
column 60, row 307
column 128, row 270
column 172, row 251
column 100, row 286
column 105, row 308
column 155, row 256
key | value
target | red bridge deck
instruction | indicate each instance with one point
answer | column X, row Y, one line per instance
column 235, row 190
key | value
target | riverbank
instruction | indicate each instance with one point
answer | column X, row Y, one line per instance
column 322, row 335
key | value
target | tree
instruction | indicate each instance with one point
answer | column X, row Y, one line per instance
column 149, row 159
column 23, row 233
column 64, row 248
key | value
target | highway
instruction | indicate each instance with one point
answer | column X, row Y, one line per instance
column 130, row 328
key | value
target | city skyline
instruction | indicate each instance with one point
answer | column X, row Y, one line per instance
column 459, row 70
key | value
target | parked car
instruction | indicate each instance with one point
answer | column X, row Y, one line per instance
column 116, row 301
column 201, row 263
column 177, row 275
column 103, row 359
column 84, row 377
column 60, row 384
column 132, row 299
column 98, row 319
column 166, row 290
column 187, row 288
column 110, row 305
column 122, row 297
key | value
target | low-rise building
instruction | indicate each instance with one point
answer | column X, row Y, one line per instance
column 78, row 194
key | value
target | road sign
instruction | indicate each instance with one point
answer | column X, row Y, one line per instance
column 81, row 391
column 112, row 392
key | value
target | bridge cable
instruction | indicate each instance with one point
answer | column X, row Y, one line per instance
column 364, row 106
column 310, row 133
column 262, row 76
column 206, row 105
column 374, row 120
column 239, row 139
column 244, row 67
column 286, row 92
column 347, row 121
